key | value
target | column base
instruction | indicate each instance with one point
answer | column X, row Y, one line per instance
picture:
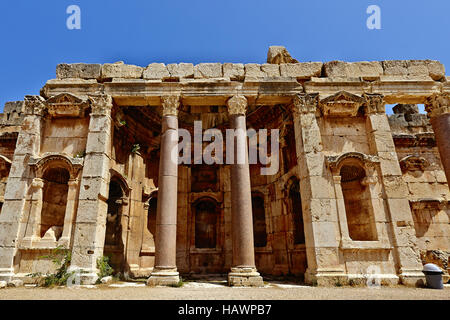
column 164, row 277
column 244, row 277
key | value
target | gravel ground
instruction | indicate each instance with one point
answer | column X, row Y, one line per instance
column 203, row 291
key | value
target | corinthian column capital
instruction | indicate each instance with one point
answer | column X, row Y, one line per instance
column 35, row 105
column 237, row 105
column 101, row 104
column 438, row 104
column 306, row 103
column 170, row 105
column 374, row 103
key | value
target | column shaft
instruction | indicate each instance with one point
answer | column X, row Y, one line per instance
column 441, row 128
column 165, row 270
column 243, row 272
column 241, row 202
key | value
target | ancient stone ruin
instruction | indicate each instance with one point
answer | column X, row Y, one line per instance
column 86, row 165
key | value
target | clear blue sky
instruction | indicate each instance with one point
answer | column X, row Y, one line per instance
column 34, row 36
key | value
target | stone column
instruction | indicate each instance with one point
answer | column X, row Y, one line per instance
column 35, row 201
column 381, row 143
column 438, row 108
column 70, row 213
column 165, row 270
column 318, row 196
column 345, row 237
column 243, row 271
column 90, row 225
column 12, row 218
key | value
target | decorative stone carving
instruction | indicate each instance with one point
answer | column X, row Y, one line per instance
column 438, row 104
column 66, row 105
column 237, row 105
column 413, row 163
column 73, row 165
column 306, row 103
column 35, row 105
column 374, row 103
column 170, row 105
column 334, row 162
column 341, row 104
column 101, row 104
column 37, row 183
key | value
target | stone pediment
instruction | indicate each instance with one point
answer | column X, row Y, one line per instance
column 341, row 104
column 66, row 105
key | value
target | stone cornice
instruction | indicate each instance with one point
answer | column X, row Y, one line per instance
column 272, row 91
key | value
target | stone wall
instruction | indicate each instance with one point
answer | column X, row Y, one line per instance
column 355, row 189
column 428, row 191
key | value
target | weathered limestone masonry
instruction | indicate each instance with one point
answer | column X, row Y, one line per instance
column 88, row 166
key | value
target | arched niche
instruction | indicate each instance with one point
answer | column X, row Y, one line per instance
column 116, row 221
column 259, row 220
column 355, row 180
column 295, row 210
column 206, row 212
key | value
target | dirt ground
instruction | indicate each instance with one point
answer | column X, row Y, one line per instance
column 205, row 291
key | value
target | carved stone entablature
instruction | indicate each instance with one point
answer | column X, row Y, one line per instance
column 35, row 105
column 237, row 105
column 413, row 163
column 341, row 104
column 101, row 104
column 49, row 160
column 5, row 166
column 66, row 105
column 170, row 105
column 335, row 162
column 306, row 103
column 425, row 139
column 438, row 104
column 374, row 103
column 429, row 203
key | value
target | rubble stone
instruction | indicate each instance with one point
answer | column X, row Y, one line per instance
column 279, row 55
